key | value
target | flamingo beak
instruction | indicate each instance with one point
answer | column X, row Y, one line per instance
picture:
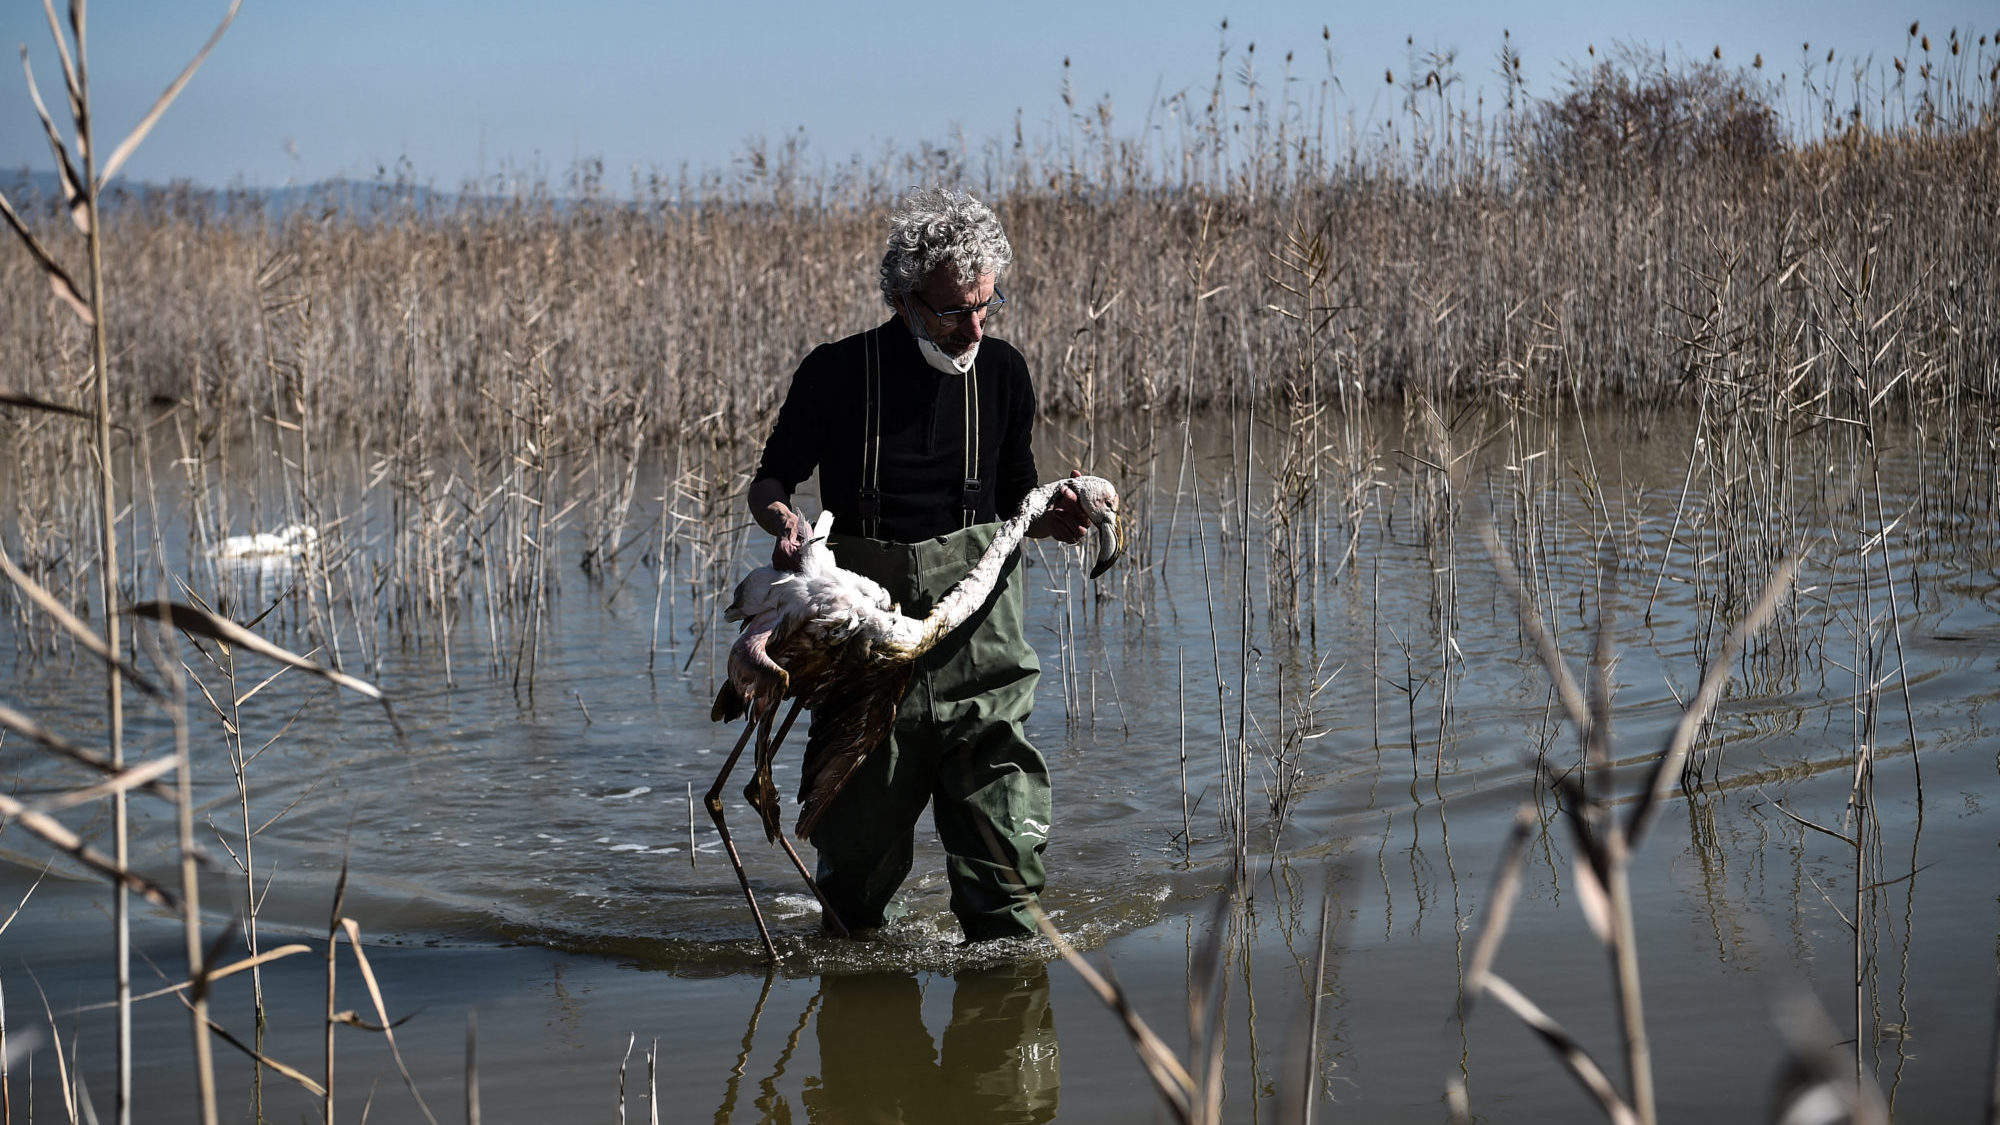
column 1108, row 546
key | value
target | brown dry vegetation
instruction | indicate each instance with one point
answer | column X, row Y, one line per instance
column 1656, row 234
column 1594, row 286
column 1571, row 251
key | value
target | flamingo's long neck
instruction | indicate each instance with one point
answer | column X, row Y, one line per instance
column 964, row 599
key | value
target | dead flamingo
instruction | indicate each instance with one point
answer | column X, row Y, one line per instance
column 818, row 631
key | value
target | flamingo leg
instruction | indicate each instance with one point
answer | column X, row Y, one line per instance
column 765, row 754
column 758, row 722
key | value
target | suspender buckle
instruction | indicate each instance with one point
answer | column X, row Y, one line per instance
column 870, row 504
column 974, row 489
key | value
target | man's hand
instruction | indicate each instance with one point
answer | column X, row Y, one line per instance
column 770, row 508
column 789, row 552
column 1065, row 521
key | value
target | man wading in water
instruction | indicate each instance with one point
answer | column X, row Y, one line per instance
column 920, row 429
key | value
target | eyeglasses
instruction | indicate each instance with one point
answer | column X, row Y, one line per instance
column 952, row 318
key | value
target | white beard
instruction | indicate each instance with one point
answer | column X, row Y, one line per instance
column 945, row 364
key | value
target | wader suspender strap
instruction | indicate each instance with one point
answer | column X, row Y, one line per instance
column 969, row 496
column 870, row 501
column 871, row 440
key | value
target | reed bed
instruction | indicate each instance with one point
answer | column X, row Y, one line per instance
column 1600, row 287
column 508, row 364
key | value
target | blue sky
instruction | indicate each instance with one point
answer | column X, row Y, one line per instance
column 300, row 91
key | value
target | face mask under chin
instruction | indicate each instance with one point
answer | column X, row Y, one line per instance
column 934, row 355
column 945, row 364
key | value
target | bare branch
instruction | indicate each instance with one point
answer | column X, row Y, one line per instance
column 1581, row 1066
column 173, row 90
column 1681, row 740
column 27, row 727
column 55, row 833
column 1500, row 906
column 1567, row 690
column 134, row 778
column 353, row 930
column 72, row 182
column 58, row 277
column 29, row 402
column 74, row 626
column 200, row 622
column 71, row 86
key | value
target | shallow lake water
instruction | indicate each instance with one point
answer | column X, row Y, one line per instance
column 531, row 858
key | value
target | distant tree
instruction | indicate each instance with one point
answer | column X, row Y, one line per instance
column 1638, row 112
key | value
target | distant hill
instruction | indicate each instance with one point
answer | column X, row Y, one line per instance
column 41, row 192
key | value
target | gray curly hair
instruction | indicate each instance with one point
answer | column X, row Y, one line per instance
column 935, row 227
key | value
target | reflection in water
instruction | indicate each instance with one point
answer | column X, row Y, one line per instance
column 1898, row 1031
column 1704, row 842
column 998, row 1061
column 768, row 1099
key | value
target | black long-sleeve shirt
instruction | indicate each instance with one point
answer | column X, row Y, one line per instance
column 823, row 422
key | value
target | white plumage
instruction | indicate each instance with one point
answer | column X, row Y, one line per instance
column 290, row 541
column 818, row 630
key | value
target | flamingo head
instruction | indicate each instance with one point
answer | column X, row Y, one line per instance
column 1100, row 503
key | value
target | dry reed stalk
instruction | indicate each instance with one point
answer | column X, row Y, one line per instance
column 471, row 1068
column 74, row 626
column 1118, row 379
column 197, row 622
column 331, row 1017
column 1605, row 843
column 64, row 1086
column 1180, row 699
column 630, row 1040
column 1178, row 1082
column 82, row 180
column 62, row 839
column 6, row 1064
column 1308, row 1064
column 200, row 960
column 653, row 1083
column 1241, row 764
column 231, row 718
column 184, row 989
column 386, row 1026
column 28, row 728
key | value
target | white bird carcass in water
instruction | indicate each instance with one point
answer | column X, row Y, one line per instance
column 291, row 541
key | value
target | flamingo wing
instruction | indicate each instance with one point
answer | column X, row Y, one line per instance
column 851, row 726
column 753, row 674
column 729, row 704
